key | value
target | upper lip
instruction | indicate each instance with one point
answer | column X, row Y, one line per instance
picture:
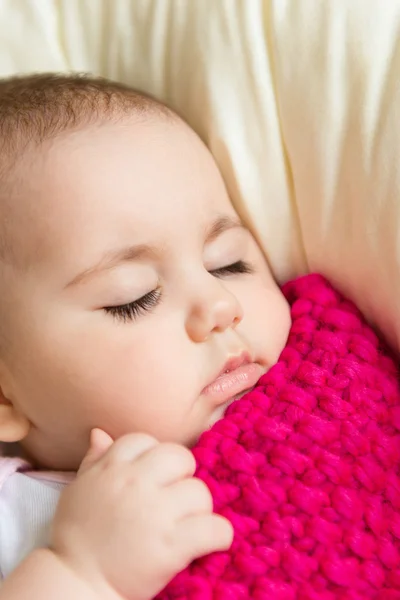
column 233, row 363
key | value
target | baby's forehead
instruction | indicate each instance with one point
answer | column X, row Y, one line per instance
column 76, row 183
column 31, row 186
column 38, row 108
column 26, row 209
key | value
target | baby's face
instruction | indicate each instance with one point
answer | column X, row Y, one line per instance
column 127, row 310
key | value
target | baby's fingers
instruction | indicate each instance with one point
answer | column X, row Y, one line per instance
column 204, row 534
column 166, row 464
column 99, row 443
column 130, row 448
column 188, row 497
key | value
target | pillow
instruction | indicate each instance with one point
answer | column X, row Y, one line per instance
column 297, row 100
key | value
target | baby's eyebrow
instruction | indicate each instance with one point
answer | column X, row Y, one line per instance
column 141, row 251
column 221, row 224
column 115, row 257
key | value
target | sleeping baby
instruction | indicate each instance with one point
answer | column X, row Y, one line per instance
column 142, row 337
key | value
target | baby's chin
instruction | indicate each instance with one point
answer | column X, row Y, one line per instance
column 220, row 411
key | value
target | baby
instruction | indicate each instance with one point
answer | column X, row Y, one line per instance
column 135, row 306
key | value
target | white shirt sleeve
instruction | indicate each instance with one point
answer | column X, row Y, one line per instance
column 27, row 508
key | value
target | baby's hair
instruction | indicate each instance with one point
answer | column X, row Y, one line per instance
column 34, row 108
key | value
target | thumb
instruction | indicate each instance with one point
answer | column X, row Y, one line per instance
column 99, row 443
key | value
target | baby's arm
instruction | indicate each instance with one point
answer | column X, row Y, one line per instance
column 44, row 576
column 124, row 528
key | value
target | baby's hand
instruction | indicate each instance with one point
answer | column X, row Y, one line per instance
column 135, row 517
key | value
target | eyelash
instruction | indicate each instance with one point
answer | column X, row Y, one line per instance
column 239, row 267
column 132, row 310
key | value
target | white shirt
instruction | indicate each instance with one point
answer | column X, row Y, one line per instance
column 28, row 501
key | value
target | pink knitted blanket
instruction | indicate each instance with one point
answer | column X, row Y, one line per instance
column 306, row 467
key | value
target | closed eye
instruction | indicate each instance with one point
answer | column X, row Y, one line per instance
column 240, row 266
column 132, row 310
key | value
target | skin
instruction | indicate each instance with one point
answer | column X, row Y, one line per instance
column 70, row 365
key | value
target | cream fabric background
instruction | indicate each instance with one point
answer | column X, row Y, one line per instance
column 298, row 99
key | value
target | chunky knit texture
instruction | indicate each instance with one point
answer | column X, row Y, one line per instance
column 306, row 467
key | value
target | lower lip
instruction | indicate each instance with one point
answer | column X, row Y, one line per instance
column 233, row 383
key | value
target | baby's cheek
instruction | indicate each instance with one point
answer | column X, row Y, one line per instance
column 269, row 319
column 282, row 323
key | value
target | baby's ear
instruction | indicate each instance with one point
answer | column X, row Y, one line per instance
column 14, row 426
